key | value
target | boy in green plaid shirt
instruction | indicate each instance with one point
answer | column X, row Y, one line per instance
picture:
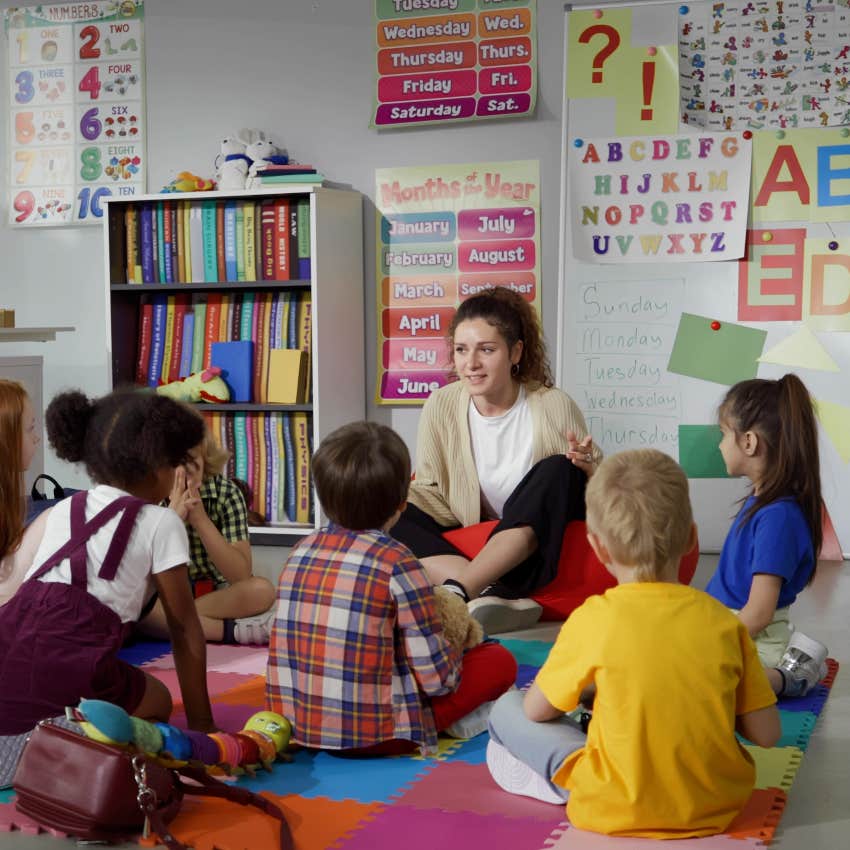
column 234, row 605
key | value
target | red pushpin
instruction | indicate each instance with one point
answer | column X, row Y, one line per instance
column 747, row 134
column 715, row 325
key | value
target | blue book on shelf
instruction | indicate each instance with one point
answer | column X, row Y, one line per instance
column 291, row 491
column 230, row 272
column 235, row 359
column 188, row 341
column 160, row 242
column 158, row 320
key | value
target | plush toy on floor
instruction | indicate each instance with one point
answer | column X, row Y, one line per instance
column 461, row 631
column 264, row 738
column 199, row 386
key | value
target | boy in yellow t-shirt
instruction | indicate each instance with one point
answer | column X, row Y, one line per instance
column 672, row 674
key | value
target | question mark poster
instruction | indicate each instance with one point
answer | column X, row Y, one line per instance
column 642, row 80
column 445, row 233
column 76, row 87
column 444, row 61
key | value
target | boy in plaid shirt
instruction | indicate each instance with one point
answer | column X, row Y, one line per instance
column 357, row 659
column 234, row 605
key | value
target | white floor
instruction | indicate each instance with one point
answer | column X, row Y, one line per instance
column 817, row 816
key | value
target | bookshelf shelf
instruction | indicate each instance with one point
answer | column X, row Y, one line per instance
column 31, row 334
column 328, row 298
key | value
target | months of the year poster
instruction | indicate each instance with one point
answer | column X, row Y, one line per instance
column 77, row 109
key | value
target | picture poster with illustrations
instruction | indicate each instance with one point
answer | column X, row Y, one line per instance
column 442, row 61
column 76, row 77
column 641, row 199
column 760, row 64
column 444, row 233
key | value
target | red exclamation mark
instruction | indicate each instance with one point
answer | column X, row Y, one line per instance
column 648, row 84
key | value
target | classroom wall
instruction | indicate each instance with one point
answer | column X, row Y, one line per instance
column 302, row 71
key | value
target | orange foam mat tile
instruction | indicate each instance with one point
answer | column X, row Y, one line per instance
column 760, row 816
column 775, row 767
column 316, row 824
column 250, row 692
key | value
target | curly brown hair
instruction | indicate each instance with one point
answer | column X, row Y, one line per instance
column 12, row 398
column 516, row 321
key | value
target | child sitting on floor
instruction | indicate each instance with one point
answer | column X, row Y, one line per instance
column 358, row 660
column 675, row 675
column 234, row 605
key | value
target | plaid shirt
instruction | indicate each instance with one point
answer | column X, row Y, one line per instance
column 225, row 506
column 357, row 648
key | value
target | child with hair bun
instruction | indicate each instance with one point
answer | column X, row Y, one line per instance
column 770, row 436
column 19, row 439
column 97, row 555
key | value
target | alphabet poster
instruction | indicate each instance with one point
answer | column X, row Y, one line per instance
column 441, row 61
column 643, row 199
column 76, row 77
column 444, row 233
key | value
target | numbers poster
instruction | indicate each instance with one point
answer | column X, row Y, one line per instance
column 445, row 233
column 76, row 78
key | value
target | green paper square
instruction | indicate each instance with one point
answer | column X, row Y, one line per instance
column 726, row 355
column 699, row 452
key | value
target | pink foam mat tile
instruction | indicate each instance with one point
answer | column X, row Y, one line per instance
column 12, row 820
column 569, row 838
column 217, row 683
column 224, row 658
column 459, row 787
column 427, row 829
column 228, row 718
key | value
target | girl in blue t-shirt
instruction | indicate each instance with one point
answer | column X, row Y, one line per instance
column 769, row 556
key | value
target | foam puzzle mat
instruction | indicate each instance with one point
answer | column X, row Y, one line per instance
column 447, row 801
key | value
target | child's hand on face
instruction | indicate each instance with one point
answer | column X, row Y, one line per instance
column 182, row 498
column 196, row 509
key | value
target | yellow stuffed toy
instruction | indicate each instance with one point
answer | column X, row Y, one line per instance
column 185, row 181
column 199, row 386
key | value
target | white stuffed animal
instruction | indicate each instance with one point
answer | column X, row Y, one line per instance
column 261, row 153
column 231, row 164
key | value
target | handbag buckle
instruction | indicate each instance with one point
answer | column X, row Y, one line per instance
column 146, row 797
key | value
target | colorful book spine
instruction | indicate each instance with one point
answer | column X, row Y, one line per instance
column 168, row 343
column 187, row 345
column 280, row 489
column 160, row 242
column 229, row 444
column 304, row 497
column 293, row 238
column 225, row 317
column 248, row 215
column 221, row 266
column 180, row 241
column 260, row 479
column 240, row 240
column 156, row 278
column 130, row 215
column 196, row 244
column 265, row 337
column 147, row 244
column 198, row 339
column 181, row 306
column 240, row 444
column 160, row 310
column 283, row 267
column 271, row 478
column 144, row 349
column 285, row 299
column 305, row 335
column 251, row 477
column 269, row 242
column 292, row 329
column 209, row 241
column 235, row 317
column 168, row 241
column 187, row 242
column 230, row 240
column 172, row 217
column 247, row 320
column 212, row 325
column 304, row 250
column 289, row 453
column 258, row 243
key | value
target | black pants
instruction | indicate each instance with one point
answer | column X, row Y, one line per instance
column 548, row 497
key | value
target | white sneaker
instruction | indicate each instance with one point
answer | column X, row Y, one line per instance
column 255, row 630
column 498, row 615
column 803, row 664
column 516, row 777
column 471, row 724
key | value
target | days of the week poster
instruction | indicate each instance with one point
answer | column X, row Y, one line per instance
column 454, row 60
column 76, row 78
column 445, row 233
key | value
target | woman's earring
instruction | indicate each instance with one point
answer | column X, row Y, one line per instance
column 515, row 369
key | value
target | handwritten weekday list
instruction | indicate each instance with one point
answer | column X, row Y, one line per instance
column 454, row 60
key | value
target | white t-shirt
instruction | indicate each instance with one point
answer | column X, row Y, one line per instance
column 502, row 448
column 157, row 543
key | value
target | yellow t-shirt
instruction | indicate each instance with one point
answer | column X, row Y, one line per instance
column 672, row 667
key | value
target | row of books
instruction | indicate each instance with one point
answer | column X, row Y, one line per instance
column 275, row 175
column 208, row 241
column 177, row 332
column 271, row 452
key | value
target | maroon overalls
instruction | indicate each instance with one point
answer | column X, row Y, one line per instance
column 58, row 643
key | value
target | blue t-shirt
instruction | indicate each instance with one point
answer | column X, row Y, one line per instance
column 776, row 540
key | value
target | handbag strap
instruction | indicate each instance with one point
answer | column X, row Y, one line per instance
column 211, row 788
column 36, row 494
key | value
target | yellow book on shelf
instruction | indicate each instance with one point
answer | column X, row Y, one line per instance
column 187, row 241
column 287, row 382
column 249, row 226
column 168, row 340
column 303, row 486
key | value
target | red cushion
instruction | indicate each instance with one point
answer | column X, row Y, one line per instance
column 580, row 572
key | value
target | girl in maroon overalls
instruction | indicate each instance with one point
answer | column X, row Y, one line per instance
column 98, row 554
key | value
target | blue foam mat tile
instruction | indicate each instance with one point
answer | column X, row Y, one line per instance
column 797, row 727
column 531, row 653
column 525, row 675
column 7, row 795
column 143, row 651
column 472, row 751
column 812, row 702
column 370, row 780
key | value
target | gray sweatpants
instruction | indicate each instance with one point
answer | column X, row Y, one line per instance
column 541, row 746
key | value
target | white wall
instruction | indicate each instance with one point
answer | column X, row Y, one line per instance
column 303, row 71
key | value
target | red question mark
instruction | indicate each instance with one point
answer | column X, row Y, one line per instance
column 613, row 43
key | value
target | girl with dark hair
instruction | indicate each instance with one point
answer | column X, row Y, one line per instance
column 96, row 554
column 19, row 438
column 770, row 554
column 500, row 443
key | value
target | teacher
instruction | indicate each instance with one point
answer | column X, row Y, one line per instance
column 499, row 443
